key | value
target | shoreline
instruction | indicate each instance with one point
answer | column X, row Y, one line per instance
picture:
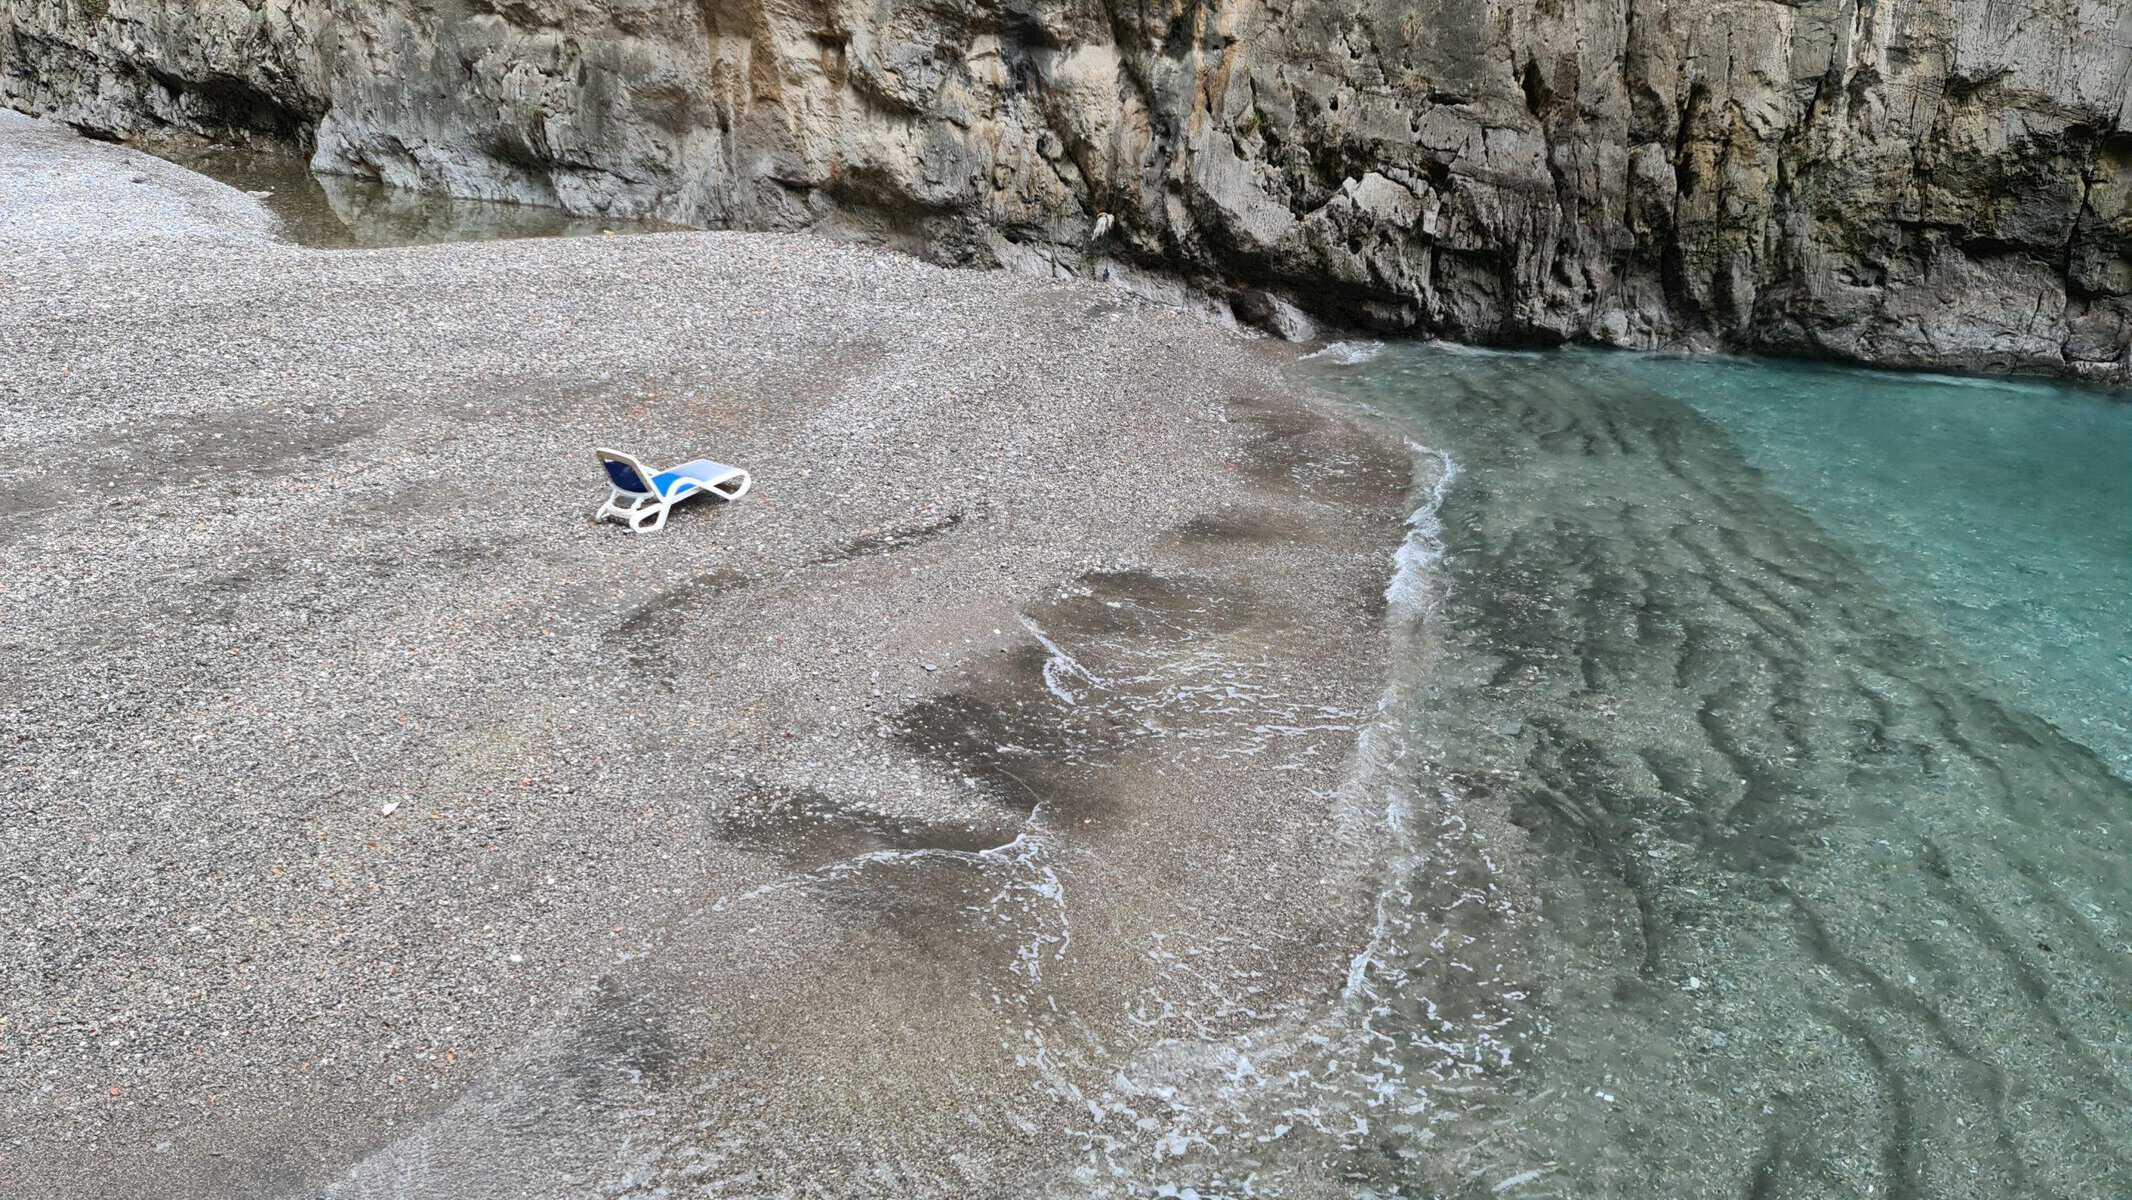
column 700, row 857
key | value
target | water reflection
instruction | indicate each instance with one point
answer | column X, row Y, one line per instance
column 340, row 212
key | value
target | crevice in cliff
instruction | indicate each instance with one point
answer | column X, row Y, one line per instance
column 2072, row 234
column 1673, row 260
column 1535, row 89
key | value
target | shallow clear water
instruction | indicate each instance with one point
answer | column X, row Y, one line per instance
column 1765, row 727
column 335, row 212
column 2004, row 510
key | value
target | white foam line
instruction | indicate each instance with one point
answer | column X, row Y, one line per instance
column 1410, row 591
column 1060, row 665
column 1375, row 806
column 1347, row 354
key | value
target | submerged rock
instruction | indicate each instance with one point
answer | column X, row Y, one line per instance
column 1943, row 183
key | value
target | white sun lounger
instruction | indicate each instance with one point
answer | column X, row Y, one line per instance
column 650, row 495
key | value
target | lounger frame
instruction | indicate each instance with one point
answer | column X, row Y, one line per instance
column 645, row 512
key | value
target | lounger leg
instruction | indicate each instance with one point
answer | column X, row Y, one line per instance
column 632, row 514
column 651, row 519
column 608, row 507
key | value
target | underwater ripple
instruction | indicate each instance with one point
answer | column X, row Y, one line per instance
column 1802, row 692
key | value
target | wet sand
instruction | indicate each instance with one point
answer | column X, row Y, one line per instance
column 372, row 823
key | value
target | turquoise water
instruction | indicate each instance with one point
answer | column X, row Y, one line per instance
column 1767, row 725
column 2003, row 510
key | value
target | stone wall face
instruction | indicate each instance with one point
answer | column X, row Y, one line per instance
column 1908, row 182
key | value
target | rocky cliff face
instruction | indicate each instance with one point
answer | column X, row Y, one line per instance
column 1911, row 182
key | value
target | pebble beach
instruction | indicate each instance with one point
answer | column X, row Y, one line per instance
column 372, row 823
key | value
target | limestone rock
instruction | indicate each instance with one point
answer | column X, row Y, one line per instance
column 1936, row 183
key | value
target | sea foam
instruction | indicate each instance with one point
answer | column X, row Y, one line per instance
column 1346, row 354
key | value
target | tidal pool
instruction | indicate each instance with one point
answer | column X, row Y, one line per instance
column 339, row 212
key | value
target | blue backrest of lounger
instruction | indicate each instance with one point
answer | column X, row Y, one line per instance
column 625, row 477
